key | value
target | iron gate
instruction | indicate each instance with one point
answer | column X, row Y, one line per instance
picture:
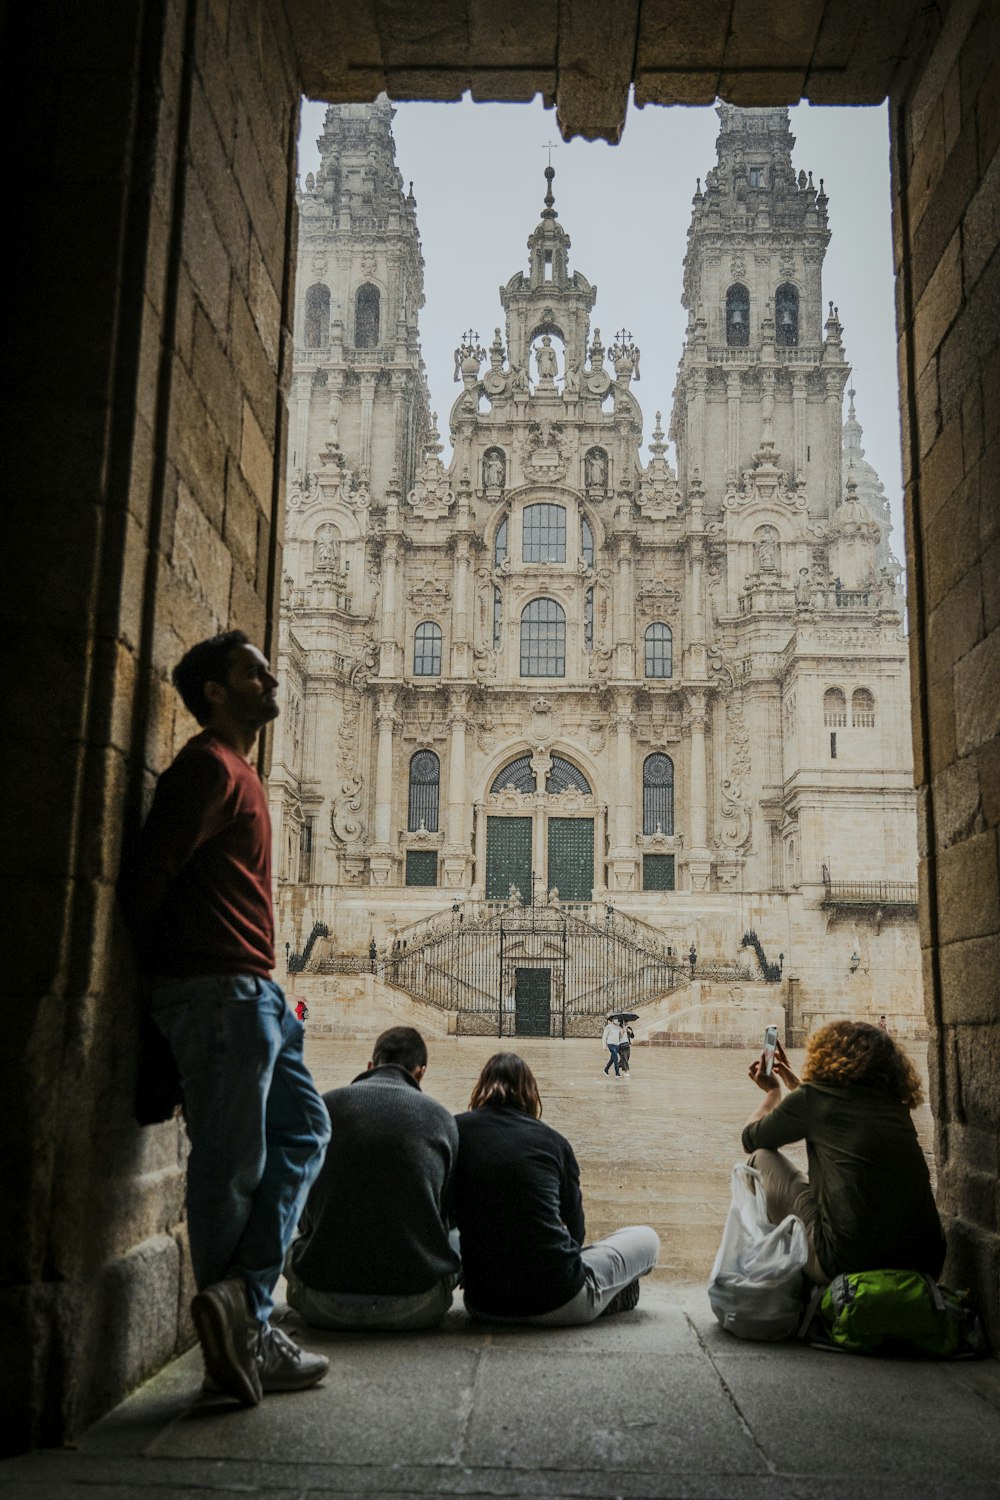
column 477, row 962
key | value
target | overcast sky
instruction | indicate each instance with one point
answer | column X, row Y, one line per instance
column 477, row 177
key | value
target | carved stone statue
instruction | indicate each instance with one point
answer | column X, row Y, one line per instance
column 767, row 552
column 571, row 382
column 494, row 469
column 596, row 468
column 804, row 589
column 548, row 365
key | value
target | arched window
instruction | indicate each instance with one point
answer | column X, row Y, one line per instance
column 317, row 329
column 427, row 650
column 543, row 639
column 544, row 534
column 587, row 541
column 500, row 543
column 834, row 709
column 366, row 316
column 786, row 316
column 563, row 776
column 494, row 469
column 425, row 792
column 659, row 650
column 658, row 794
column 518, row 774
column 738, row 315
column 862, row 709
column 497, row 618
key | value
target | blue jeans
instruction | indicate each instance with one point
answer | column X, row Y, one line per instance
column 257, row 1126
column 613, row 1049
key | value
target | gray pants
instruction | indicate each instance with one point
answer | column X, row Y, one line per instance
column 787, row 1191
column 609, row 1266
column 352, row 1310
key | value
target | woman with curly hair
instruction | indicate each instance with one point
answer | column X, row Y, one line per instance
column 520, row 1214
column 867, row 1202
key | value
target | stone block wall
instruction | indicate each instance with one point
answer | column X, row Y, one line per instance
column 946, row 214
column 155, row 240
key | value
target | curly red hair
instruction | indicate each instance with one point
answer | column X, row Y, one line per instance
column 854, row 1052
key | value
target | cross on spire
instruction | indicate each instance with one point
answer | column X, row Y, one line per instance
column 550, row 146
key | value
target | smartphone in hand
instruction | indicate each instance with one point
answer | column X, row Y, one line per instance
column 770, row 1042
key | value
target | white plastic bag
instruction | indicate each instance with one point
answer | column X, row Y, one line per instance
column 758, row 1290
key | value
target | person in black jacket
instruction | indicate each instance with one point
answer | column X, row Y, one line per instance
column 520, row 1214
column 375, row 1248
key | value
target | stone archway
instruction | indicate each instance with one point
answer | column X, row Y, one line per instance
column 146, row 469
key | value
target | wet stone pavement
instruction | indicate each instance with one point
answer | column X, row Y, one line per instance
column 654, row 1403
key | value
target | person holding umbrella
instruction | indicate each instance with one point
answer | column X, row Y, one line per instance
column 625, row 1035
column 612, row 1037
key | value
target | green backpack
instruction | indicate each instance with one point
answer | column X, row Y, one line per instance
column 895, row 1312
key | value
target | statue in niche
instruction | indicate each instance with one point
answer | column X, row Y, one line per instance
column 596, row 469
column 804, row 589
column 548, row 365
column 767, row 550
column 494, row 469
column 327, row 551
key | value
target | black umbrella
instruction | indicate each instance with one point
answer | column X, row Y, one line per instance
column 621, row 1016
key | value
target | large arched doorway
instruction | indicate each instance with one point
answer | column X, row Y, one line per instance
column 540, row 817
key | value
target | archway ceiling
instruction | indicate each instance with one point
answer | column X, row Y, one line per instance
column 583, row 55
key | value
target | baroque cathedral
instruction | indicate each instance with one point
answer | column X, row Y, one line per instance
column 557, row 670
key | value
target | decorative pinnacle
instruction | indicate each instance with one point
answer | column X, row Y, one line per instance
column 549, row 211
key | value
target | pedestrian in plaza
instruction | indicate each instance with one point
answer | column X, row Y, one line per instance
column 302, row 1010
column 882, row 1023
column 867, row 1201
column 197, row 893
column 374, row 1249
column 625, row 1051
column 611, row 1037
column 520, row 1215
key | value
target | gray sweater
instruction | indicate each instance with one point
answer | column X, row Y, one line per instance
column 376, row 1221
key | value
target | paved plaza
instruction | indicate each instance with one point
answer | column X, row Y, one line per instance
column 655, row 1403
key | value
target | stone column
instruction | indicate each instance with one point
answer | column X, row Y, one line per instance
column 460, row 651
column 456, row 849
column 303, row 397
column 381, row 858
column 699, row 858
column 390, row 647
column 799, row 424
column 622, row 859
column 733, row 391
column 624, row 587
column 367, row 406
column 478, row 891
column 696, row 387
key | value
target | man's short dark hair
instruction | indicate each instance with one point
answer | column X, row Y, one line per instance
column 402, row 1045
column 206, row 662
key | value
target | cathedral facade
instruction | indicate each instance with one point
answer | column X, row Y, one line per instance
column 557, row 670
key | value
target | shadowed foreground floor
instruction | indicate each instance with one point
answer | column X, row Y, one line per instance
column 654, row 1403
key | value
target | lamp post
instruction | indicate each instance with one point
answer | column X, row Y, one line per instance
column 692, row 958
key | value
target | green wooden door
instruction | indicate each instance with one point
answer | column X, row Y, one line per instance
column 571, row 858
column 532, row 1001
column 508, row 857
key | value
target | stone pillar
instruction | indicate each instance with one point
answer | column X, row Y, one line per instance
column 799, row 424
column 456, row 848
column 624, row 586
column 733, row 391
column 460, row 643
column 381, row 858
column 367, row 407
column 622, row 860
column 303, row 397
column 478, row 891
column 390, row 647
column 695, row 390
column 699, row 858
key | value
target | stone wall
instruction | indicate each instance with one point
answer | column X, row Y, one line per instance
column 156, row 235
column 946, row 188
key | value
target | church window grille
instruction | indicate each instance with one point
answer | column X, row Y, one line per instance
column 517, row 775
column 500, row 544
column 587, row 541
column 862, row 709
column 588, row 620
column 834, row 709
column 659, row 651
column 427, row 650
column 658, row 794
column 758, row 177
column 425, row 792
column 658, row 872
column 543, row 639
column 544, row 536
column 497, row 619
column 738, row 316
column 366, row 316
column 563, row 776
column 317, row 329
column 786, row 316
column 421, row 867
column 306, row 851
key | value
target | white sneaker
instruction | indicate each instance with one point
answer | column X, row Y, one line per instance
column 282, row 1365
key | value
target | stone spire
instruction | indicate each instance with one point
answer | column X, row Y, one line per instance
column 551, row 300
column 868, row 486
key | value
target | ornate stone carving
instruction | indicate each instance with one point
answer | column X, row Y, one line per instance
column 657, row 598
column 431, row 496
column 431, row 594
column 737, row 823
column 545, row 454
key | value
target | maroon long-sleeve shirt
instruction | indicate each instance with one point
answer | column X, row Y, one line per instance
column 198, row 893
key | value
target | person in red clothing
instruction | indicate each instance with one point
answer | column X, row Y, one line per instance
column 197, row 895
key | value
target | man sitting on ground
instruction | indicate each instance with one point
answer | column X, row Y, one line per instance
column 374, row 1249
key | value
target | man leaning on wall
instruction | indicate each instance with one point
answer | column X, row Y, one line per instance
column 197, row 896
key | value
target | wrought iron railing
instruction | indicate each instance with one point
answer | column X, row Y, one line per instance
column 770, row 972
column 298, row 961
column 870, row 892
